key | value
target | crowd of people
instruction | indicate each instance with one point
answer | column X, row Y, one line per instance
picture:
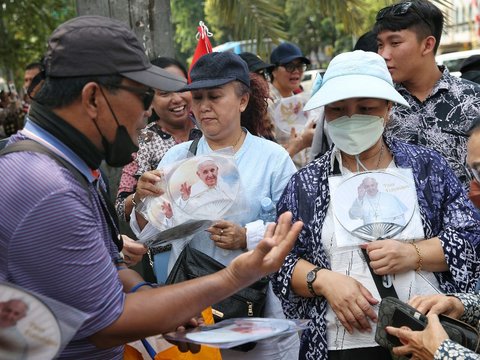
column 397, row 131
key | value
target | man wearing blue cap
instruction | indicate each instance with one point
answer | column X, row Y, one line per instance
column 58, row 236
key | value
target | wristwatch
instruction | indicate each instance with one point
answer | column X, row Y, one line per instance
column 311, row 276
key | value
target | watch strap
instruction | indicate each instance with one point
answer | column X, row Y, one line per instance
column 310, row 283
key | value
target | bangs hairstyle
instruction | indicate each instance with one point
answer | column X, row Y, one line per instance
column 422, row 17
column 165, row 62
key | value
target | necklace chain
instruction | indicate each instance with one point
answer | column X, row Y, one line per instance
column 380, row 157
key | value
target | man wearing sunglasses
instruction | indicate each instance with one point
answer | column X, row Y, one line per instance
column 442, row 107
column 58, row 236
column 289, row 66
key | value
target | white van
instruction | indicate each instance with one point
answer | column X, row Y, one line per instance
column 453, row 61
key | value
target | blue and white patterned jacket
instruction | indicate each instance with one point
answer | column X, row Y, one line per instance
column 451, row 350
column 445, row 210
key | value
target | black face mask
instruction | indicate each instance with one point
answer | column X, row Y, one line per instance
column 119, row 152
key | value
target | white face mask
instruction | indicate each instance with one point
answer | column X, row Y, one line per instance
column 353, row 135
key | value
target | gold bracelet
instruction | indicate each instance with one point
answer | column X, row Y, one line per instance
column 420, row 258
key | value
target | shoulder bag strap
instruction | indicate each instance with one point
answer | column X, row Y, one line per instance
column 107, row 207
column 193, row 146
column 31, row 145
column 384, row 289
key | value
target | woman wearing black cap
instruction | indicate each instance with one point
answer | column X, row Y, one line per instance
column 221, row 90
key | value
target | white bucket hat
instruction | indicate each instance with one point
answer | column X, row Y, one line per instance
column 354, row 74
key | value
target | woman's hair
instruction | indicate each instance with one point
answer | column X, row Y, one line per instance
column 255, row 118
column 164, row 62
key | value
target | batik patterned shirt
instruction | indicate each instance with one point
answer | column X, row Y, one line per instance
column 445, row 211
column 441, row 121
column 153, row 143
column 451, row 350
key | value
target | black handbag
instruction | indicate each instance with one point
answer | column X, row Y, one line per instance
column 248, row 302
column 394, row 312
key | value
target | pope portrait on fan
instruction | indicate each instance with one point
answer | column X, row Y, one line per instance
column 209, row 195
column 373, row 206
column 13, row 345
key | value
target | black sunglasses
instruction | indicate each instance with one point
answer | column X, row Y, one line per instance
column 262, row 72
column 395, row 10
column 400, row 9
column 146, row 95
column 291, row 67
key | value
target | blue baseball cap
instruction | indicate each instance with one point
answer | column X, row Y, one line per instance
column 362, row 74
column 216, row 69
column 254, row 63
column 287, row 52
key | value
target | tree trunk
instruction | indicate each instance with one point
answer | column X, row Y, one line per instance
column 149, row 19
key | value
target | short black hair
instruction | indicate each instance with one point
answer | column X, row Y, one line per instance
column 56, row 92
column 422, row 17
column 367, row 42
column 165, row 61
column 34, row 65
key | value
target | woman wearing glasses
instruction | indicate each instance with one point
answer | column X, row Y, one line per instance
column 326, row 278
column 290, row 64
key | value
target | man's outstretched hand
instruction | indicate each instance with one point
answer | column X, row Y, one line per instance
column 269, row 254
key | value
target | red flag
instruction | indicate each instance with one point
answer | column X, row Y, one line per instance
column 476, row 16
column 203, row 47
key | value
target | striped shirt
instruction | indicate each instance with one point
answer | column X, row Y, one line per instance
column 54, row 240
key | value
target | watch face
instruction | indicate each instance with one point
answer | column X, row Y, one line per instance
column 311, row 276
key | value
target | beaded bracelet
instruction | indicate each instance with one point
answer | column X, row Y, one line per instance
column 140, row 284
column 420, row 258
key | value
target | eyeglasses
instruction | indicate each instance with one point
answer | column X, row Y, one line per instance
column 401, row 9
column 291, row 67
column 146, row 95
column 263, row 73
